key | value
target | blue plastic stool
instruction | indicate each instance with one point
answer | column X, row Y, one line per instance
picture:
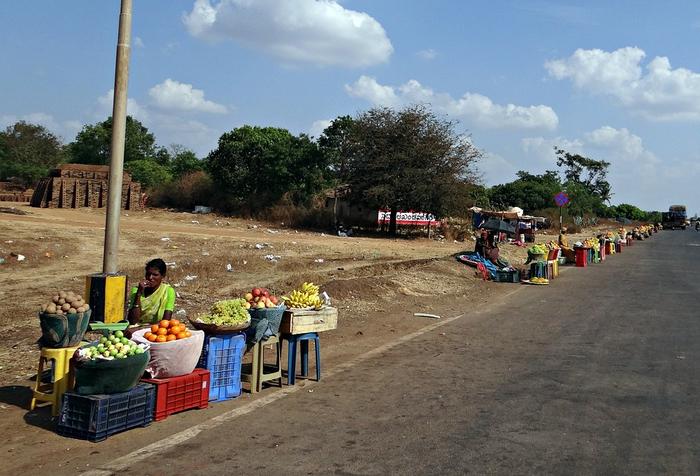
column 303, row 341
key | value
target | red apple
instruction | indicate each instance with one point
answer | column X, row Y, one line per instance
column 265, row 292
column 274, row 300
column 256, row 292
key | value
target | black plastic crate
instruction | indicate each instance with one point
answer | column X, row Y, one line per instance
column 95, row 417
column 508, row 276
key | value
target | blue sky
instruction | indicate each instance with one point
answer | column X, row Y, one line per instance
column 618, row 81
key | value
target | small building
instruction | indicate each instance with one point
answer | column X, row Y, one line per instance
column 80, row 185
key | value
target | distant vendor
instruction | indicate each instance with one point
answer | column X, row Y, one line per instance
column 152, row 300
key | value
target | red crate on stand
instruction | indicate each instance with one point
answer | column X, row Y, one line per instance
column 177, row 394
column 581, row 257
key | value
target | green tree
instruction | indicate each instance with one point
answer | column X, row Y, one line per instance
column 28, row 152
column 93, row 143
column 335, row 144
column 408, row 159
column 257, row 166
column 587, row 172
column 148, row 172
column 529, row 192
column 183, row 161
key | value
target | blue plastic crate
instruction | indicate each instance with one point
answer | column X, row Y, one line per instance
column 222, row 356
column 95, row 417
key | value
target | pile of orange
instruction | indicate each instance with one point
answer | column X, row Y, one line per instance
column 167, row 330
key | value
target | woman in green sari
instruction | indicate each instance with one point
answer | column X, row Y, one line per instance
column 152, row 300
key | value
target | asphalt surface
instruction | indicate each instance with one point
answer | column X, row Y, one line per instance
column 593, row 374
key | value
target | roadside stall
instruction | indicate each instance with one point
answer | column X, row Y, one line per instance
column 115, row 382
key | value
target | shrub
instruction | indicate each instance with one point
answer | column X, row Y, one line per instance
column 191, row 189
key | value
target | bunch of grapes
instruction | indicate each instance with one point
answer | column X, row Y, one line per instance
column 226, row 313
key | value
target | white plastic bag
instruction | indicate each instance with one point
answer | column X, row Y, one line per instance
column 174, row 358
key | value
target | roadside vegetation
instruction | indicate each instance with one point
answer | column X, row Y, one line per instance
column 407, row 159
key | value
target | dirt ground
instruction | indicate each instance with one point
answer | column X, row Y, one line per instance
column 376, row 283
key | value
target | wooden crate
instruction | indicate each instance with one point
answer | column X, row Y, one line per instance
column 301, row 322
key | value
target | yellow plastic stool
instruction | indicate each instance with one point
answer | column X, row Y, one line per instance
column 555, row 268
column 61, row 367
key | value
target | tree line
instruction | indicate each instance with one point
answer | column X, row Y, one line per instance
column 407, row 159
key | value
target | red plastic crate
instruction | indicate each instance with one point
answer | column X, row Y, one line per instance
column 176, row 394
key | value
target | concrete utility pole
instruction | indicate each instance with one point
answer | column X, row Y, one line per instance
column 116, row 161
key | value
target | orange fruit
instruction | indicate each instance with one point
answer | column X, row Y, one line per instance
column 148, row 334
column 154, row 328
column 188, row 334
column 171, row 337
column 162, row 331
column 161, row 339
column 164, row 323
column 182, row 335
column 152, row 338
column 174, row 322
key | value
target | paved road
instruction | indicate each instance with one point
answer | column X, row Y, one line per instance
column 594, row 374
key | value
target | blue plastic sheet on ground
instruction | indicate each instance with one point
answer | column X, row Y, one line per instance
column 473, row 258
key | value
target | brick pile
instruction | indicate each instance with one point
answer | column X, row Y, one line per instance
column 78, row 185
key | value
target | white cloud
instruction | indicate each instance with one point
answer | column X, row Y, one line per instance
column 173, row 95
column 476, row 108
column 657, row 91
column 496, row 169
column 429, row 54
column 369, row 89
column 305, row 31
column 133, row 108
column 138, row 42
column 318, row 127
column 632, row 166
column 65, row 130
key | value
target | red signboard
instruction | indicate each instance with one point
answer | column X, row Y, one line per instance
column 406, row 218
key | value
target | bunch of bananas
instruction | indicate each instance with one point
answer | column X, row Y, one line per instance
column 306, row 296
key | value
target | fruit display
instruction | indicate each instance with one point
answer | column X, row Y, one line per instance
column 307, row 296
column 114, row 346
column 538, row 249
column 230, row 312
column 552, row 245
column 65, row 303
column 260, row 298
column 167, row 331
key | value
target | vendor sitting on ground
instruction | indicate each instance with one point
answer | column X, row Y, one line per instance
column 481, row 245
column 566, row 249
column 152, row 300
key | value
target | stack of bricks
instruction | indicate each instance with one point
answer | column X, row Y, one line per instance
column 78, row 185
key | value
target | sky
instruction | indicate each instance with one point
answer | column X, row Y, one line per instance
column 615, row 81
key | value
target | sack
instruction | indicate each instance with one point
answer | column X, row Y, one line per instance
column 109, row 376
column 66, row 330
column 174, row 358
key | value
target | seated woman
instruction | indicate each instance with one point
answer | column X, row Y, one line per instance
column 566, row 249
column 481, row 243
column 152, row 300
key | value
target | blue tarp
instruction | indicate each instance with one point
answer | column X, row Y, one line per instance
column 472, row 258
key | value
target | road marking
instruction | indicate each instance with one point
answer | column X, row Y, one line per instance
column 124, row 462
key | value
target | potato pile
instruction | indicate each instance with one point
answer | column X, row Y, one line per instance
column 65, row 303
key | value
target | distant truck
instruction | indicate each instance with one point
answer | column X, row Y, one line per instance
column 675, row 217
